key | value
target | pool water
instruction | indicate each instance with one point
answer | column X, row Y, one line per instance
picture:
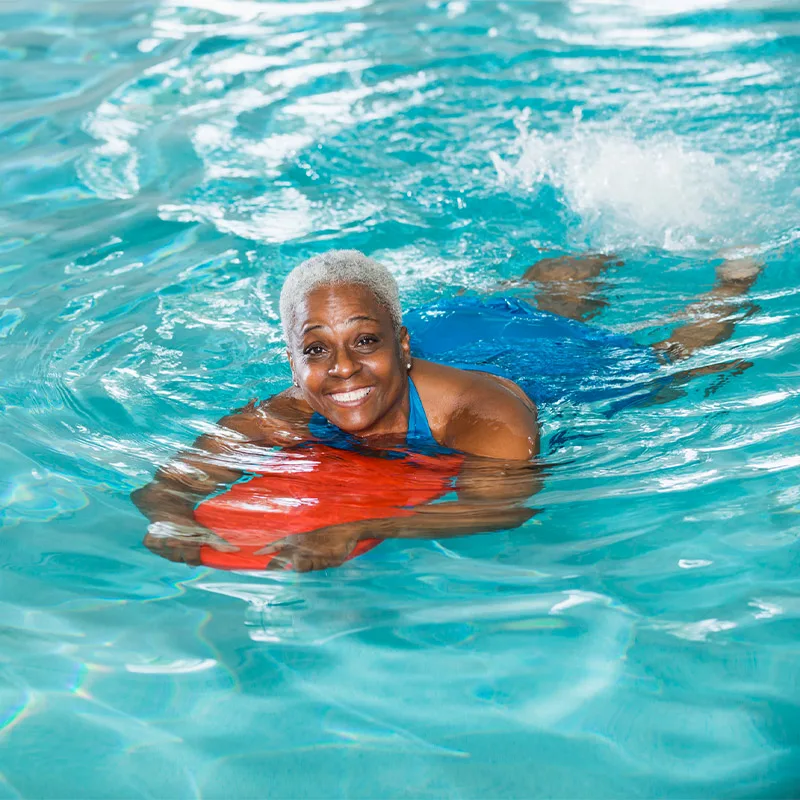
column 164, row 165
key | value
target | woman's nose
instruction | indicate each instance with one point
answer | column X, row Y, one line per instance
column 344, row 365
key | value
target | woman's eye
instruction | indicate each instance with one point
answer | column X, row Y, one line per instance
column 314, row 350
column 365, row 341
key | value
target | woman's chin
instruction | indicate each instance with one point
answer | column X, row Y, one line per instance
column 356, row 421
column 370, row 416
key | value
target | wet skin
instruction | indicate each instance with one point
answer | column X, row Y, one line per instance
column 352, row 366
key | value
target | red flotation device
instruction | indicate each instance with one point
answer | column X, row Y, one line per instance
column 315, row 486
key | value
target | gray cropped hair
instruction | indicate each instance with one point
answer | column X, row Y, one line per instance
column 342, row 267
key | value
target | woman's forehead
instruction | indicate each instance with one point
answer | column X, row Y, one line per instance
column 336, row 303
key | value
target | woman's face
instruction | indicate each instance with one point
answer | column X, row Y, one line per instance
column 349, row 362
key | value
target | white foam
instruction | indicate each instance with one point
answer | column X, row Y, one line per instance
column 627, row 190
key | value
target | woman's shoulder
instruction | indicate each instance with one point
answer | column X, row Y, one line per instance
column 447, row 388
column 280, row 419
column 290, row 401
column 476, row 411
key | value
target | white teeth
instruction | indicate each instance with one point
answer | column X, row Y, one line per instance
column 351, row 397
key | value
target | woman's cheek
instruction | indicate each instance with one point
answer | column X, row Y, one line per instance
column 312, row 377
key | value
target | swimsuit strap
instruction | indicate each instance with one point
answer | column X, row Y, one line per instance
column 419, row 430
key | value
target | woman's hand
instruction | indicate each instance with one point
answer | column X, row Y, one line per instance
column 183, row 543
column 320, row 549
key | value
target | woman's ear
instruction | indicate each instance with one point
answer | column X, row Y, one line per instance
column 291, row 365
column 404, row 341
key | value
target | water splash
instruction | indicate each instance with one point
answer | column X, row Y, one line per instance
column 657, row 191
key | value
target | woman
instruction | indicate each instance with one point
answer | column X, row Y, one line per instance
column 360, row 385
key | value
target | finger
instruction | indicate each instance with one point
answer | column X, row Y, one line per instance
column 222, row 546
column 164, row 547
column 153, row 543
column 329, row 560
column 278, row 562
column 316, row 562
column 272, row 547
column 303, row 563
column 178, row 556
column 191, row 557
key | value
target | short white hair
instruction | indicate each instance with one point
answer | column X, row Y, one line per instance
column 338, row 267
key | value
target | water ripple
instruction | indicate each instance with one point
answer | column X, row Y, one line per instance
column 164, row 165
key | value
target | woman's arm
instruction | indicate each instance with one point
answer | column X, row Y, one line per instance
column 491, row 497
column 213, row 462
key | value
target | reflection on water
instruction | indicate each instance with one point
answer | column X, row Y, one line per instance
column 164, row 166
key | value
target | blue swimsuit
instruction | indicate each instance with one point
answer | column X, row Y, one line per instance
column 419, row 430
column 549, row 356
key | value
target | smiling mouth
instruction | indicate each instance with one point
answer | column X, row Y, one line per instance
column 354, row 398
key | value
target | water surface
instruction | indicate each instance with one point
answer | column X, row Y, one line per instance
column 164, row 166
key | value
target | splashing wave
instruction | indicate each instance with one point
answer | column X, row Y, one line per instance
column 628, row 190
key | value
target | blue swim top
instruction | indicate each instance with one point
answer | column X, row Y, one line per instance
column 419, row 430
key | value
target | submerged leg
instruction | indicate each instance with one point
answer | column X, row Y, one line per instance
column 711, row 316
column 673, row 388
column 711, row 320
column 568, row 285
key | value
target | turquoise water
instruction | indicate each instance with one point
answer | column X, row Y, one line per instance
column 164, row 166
